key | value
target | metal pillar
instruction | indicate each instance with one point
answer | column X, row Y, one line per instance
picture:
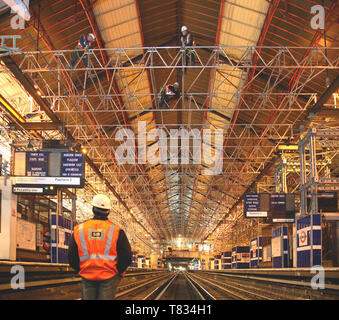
column 303, row 188
column 58, row 214
column 313, row 183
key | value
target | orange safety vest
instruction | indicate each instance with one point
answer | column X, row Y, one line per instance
column 97, row 246
column 168, row 91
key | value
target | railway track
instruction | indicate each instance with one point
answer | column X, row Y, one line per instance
column 255, row 287
column 66, row 285
column 61, row 284
column 227, row 291
column 180, row 288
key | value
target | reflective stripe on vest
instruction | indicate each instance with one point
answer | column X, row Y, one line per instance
column 104, row 256
column 169, row 92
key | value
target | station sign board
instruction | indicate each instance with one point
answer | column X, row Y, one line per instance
column 303, row 237
column 256, row 205
column 278, row 202
column 46, row 169
column 45, row 190
column 283, row 208
column 36, row 164
column 27, row 190
column 49, row 181
column 72, row 164
column 279, row 208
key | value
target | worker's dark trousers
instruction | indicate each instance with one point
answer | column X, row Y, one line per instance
column 164, row 101
column 77, row 55
column 100, row 290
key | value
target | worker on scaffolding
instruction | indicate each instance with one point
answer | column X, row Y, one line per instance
column 187, row 43
column 170, row 91
column 80, row 50
column 100, row 252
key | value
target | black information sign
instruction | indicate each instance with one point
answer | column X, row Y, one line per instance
column 72, row 164
column 283, row 208
column 36, row 164
column 253, row 207
column 278, row 202
column 252, row 202
column 272, row 207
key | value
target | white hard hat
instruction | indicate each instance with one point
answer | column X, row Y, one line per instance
column 176, row 84
column 101, row 201
column 91, row 36
column 183, row 28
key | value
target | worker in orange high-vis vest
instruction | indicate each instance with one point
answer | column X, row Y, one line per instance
column 187, row 43
column 100, row 252
column 171, row 91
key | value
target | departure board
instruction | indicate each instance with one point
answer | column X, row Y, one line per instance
column 279, row 207
column 36, row 164
column 255, row 205
column 283, row 208
column 72, row 164
column 47, row 169
column 278, row 202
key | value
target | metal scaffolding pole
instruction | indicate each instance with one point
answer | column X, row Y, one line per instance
column 93, row 112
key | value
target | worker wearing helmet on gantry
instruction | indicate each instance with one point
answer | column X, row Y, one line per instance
column 100, row 252
column 187, row 42
column 170, row 91
column 84, row 44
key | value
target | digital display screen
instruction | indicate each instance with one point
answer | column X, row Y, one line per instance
column 252, row 202
column 278, row 202
column 279, row 207
column 36, row 164
column 72, row 165
column 254, row 206
column 47, row 169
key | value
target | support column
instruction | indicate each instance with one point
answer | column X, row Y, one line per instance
column 303, row 188
column 314, row 172
column 283, row 176
column 277, row 178
column 74, row 208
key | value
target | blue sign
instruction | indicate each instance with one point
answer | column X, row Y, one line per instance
column 278, row 202
column 36, row 164
column 72, row 164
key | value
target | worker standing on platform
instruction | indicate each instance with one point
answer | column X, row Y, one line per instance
column 171, row 90
column 187, row 43
column 80, row 50
column 100, row 252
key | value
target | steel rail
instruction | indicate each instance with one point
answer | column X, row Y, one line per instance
column 166, row 287
column 237, row 288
